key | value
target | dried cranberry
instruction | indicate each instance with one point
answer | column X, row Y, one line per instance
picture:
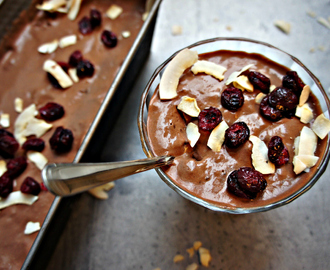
column 292, row 81
column 75, row 58
column 259, row 81
column 209, row 118
column 51, row 111
column 53, row 80
column 283, row 99
column 85, row 26
column 268, row 111
column 30, row 186
column 8, row 145
column 109, row 39
column 237, row 134
column 233, row 187
column 5, row 132
column 6, row 185
column 95, row 18
column 16, row 166
column 62, row 139
column 251, row 180
column 277, row 152
column 85, row 69
column 232, row 98
column 34, row 144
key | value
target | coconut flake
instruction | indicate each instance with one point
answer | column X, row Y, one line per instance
column 324, row 22
column 204, row 256
column 38, row 159
column 36, row 127
column 49, row 47
column 51, row 5
column 17, row 197
column 73, row 74
column 235, row 74
column 126, row 34
column 178, row 258
column 210, row 68
column 189, row 106
column 321, row 126
column 74, row 9
column 176, row 30
column 100, row 192
column 304, row 95
column 192, row 134
column 18, row 105
column 5, row 120
column 193, row 266
column 259, row 156
column 284, row 26
column 305, row 113
column 217, row 136
column 55, row 69
column 3, row 167
column 67, row 41
column 242, row 82
column 170, row 79
column 259, row 97
column 114, row 11
column 32, row 227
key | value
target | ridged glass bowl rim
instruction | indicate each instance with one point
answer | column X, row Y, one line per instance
column 250, row 46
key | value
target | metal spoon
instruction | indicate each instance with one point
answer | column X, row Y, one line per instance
column 64, row 179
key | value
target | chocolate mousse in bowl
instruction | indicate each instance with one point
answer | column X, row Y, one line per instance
column 246, row 122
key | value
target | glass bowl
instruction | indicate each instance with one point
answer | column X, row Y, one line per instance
column 249, row 46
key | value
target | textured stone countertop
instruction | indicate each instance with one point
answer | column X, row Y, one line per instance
column 144, row 223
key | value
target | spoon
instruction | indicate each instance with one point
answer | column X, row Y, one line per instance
column 65, row 179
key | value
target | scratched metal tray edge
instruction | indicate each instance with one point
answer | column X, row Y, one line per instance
column 60, row 209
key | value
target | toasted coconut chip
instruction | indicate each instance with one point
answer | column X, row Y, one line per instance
column 26, row 124
column 324, row 22
column 49, row 47
column 114, row 11
column 321, row 126
column 126, row 34
column 305, row 113
column 272, row 88
column 100, row 191
column 178, row 258
column 298, row 165
column 73, row 74
column 55, row 69
column 189, row 106
column 74, row 9
column 259, row 97
column 192, row 134
column 259, row 156
column 217, row 136
column 210, row 68
column 304, row 95
column 204, row 256
column 242, row 82
column 307, row 142
column 296, row 145
column 191, row 252
column 176, row 30
column 51, row 5
column 5, row 120
column 193, row 266
column 32, row 227
column 67, row 41
column 17, row 197
column 235, row 74
column 37, row 158
column 18, row 104
column 170, row 79
column 3, row 167
column 284, row 26
column 197, row 245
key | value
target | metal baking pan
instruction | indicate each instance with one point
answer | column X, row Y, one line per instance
column 92, row 144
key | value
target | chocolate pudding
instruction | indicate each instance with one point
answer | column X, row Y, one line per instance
column 203, row 172
column 22, row 76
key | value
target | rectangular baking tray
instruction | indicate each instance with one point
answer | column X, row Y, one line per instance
column 92, row 144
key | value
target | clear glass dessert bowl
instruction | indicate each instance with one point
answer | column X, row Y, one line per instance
column 249, row 46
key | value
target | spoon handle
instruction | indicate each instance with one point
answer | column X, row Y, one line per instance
column 64, row 179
